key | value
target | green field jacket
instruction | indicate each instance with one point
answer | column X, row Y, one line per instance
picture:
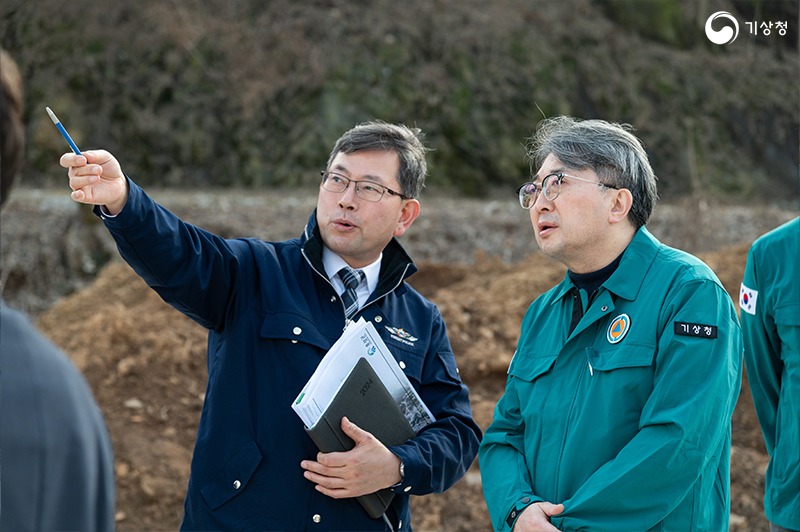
column 770, row 312
column 627, row 420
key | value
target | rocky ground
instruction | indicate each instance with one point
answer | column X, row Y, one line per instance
column 146, row 365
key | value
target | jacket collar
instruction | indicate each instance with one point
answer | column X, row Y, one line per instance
column 396, row 265
column 627, row 280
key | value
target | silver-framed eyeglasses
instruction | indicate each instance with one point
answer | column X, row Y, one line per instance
column 528, row 192
column 366, row 190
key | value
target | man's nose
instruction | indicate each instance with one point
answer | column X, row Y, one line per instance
column 542, row 203
column 348, row 197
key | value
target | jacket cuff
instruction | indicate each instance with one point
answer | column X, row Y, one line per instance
column 409, row 480
column 513, row 513
column 134, row 193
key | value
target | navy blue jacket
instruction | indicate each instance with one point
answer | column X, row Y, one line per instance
column 272, row 314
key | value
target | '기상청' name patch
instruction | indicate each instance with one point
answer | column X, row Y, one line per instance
column 697, row 330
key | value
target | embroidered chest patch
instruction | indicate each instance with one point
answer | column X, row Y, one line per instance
column 400, row 334
column 618, row 329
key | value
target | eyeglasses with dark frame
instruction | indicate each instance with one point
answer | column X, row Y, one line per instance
column 528, row 192
column 366, row 190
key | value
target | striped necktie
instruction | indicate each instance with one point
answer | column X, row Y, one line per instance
column 351, row 279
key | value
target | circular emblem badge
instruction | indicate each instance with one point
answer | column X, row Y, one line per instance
column 619, row 328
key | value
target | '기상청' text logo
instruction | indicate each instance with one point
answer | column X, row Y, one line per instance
column 725, row 35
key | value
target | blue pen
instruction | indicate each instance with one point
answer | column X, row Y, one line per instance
column 63, row 131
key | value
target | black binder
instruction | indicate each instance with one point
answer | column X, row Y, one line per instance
column 364, row 399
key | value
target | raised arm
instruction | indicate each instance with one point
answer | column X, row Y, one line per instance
column 190, row 268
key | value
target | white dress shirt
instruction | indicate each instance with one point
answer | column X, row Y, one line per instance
column 333, row 263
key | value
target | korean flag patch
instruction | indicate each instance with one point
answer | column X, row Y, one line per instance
column 747, row 299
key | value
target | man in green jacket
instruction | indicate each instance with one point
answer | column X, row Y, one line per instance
column 770, row 312
column 617, row 408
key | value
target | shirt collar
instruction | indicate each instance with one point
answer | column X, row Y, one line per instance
column 333, row 263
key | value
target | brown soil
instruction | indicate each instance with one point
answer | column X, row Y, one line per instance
column 146, row 364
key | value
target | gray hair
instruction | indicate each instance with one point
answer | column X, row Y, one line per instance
column 611, row 150
column 405, row 141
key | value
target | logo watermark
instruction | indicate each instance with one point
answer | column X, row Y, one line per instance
column 729, row 29
column 725, row 35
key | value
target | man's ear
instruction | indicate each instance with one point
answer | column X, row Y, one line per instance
column 621, row 206
column 408, row 214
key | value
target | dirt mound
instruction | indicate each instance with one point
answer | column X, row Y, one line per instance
column 146, row 365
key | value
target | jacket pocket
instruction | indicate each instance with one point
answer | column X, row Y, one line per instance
column 788, row 315
column 629, row 356
column 411, row 363
column 295, row 328
column 406, row 350
column 529, row 366
column 233, row 477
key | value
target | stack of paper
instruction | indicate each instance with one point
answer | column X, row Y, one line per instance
column 359, row 340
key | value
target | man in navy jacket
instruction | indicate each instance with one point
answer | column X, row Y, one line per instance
column 273, row 309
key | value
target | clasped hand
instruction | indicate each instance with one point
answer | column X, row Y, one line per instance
column 536, row 517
